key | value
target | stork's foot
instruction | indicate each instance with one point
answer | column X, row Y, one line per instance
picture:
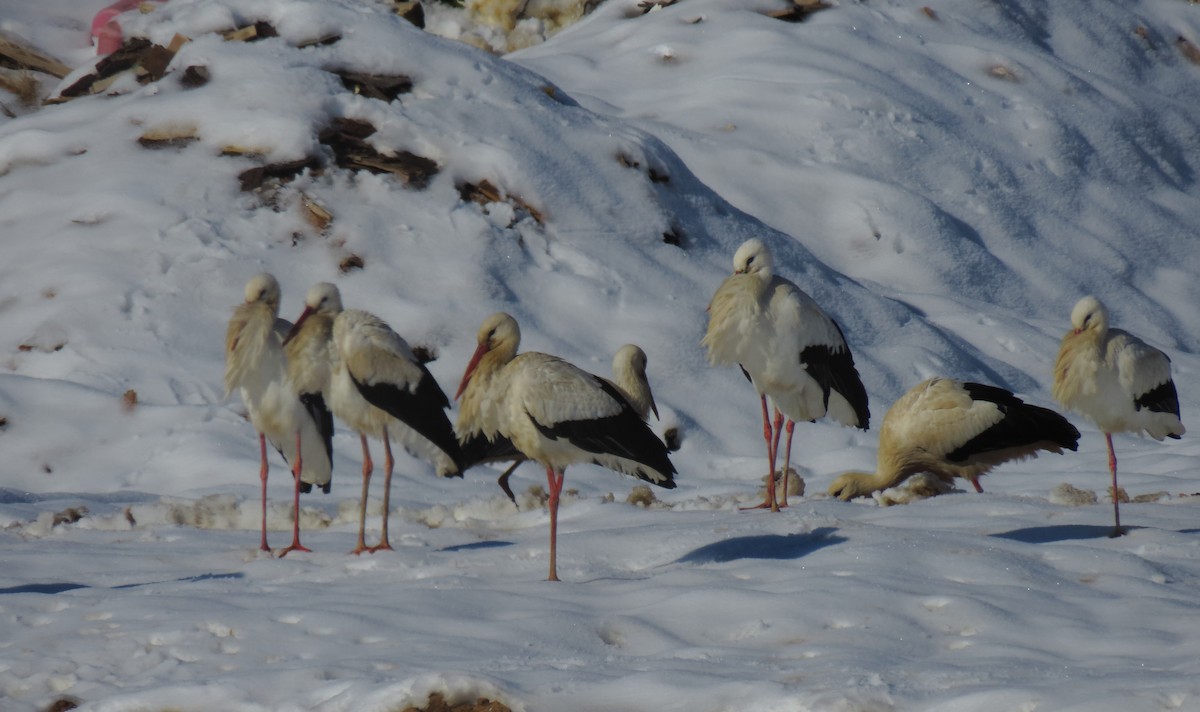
column 773, row 506
column 295, row 546
column 381, row 546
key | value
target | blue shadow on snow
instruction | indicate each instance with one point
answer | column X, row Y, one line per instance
column 66, row 586
column 1063, row 532
column 764, row 546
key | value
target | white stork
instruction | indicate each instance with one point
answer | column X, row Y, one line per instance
column 556, row 414
column 1118, row 381
column 629, row 376
column 950, row 429
column 789, row 348
column 301, row 430
column 376, row 386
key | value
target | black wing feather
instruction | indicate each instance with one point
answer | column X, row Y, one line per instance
column 1023, row 425
column 833, row 369
column 314, row 405
column 1163, row 398
column 624, row 435
column 423, row 410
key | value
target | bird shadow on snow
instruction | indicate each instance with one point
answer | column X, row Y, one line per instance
column 66, row 586
column 764, row 546
column 1064, row 532
column 476, row 545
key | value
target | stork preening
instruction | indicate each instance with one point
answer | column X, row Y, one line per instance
column 792, row 351
column 1116, row 380
column 629, row 376
column 556, row 414
column 301, row 429
column 377, row 387
column 949, row 429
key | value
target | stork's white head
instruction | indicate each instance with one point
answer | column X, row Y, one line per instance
column 753, row 257
column 499, row 334
column 630, row 357
column 263, row 288
column 1089, row 313
column 323, row 298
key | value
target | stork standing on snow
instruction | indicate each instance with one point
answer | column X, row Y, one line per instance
column 1118, row 381
column 377, row 387
column 629, row 376
column 556, row 414
column 301, row 429
column 790, row 349
column 951, row 429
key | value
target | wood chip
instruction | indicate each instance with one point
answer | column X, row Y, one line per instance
column 485, row 192
column 129, row 399
column 314, row 214
column 1188, row 49
column 347, row 138
column 384, row 88
column 800, row 10
column 254, row 178
column 258, row 31
column 16, row 53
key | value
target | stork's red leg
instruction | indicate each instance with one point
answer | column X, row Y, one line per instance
column 368, row 466
column 1116, row 497
column 555, row 482
column 388, row 463
column 769, row 502
column 297, row 468
column 262, row 475
column 787, row 458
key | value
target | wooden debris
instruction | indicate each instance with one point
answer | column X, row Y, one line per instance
column 375, row 86
column 3, row 422
column 130, row 399
column 929, row 12
column 69, row 515
column 1189, row 49
column 999, row 71
column 168, row 137
column 193, row 76
column 22, row 83
column 258, row 31
column 15, row 53
column 437, row 703
column 411, row 10
column 484, row 193
column 648, row 6
column 800, row 10
column 125, row 58
column 63, row 704
column 347, row 138
column 319, row 41
column 314, row 214
column 674, row 236
column 254, row 178
column 350, row 262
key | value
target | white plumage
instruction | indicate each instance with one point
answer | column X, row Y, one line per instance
column 629, row 376
column 949, row 429
column 1117, row 380
column 790, row 349
column 375, row 385
column 556, row 414
column 255, row 365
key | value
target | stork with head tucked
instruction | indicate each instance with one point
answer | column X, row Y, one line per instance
column 255, row 364
column 1118, row 381
column 376, row 386
column 950, row 429
column 790, row 349
column 629, row 376
column 556, row 414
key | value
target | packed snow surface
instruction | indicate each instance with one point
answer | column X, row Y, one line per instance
column 946, row 181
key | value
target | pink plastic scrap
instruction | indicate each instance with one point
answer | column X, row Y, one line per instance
column 106, row 31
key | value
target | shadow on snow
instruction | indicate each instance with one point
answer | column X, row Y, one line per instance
column 765, row 546
column 66, row 586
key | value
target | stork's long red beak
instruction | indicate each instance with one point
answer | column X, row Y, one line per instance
column 480, row 350
column 296, row 327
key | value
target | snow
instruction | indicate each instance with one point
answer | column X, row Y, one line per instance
column 945, row 186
